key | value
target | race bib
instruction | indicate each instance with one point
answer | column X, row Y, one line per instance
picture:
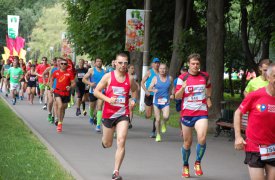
column 80, row 75
column 14, row 85
column 121, row 100
column 32, row 78
column 267, row 152
column 15, row 77
column 162, row 101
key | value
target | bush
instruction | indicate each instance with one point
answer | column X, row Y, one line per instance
column 237, row 84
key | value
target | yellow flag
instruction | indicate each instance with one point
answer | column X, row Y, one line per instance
column 4, row 56
column 15, row 53
column 22, row 54
column 7, row 51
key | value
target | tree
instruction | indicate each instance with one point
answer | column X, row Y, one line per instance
column 215, row 52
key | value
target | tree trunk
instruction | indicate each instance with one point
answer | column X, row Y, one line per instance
column 178, row 27
column 265, row 48
column 248, row 55
column 215, row 53
column 136, row 60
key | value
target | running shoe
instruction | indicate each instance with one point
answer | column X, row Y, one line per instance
column 21, row 97
column 59, row 128
column 56, row 122
column 13, row 101
column 7, row 95
column 40, row 101
column 185, row 172
column 153, row 134
column 197, row 168
column 69, row 105
column 78, row 112
column 84, row 113
column 52, row 120
column 116, row 175
column 97, row 128
column 45, row 107
column 92, row 121
column 163, row 128
column 158, row 138
column 49, row 117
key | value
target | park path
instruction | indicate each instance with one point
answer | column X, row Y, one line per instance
column 79, row 150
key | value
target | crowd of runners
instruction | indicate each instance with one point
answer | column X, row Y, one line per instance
column 113, row 92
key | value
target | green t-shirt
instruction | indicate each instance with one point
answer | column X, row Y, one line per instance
column 255, row 84
column 15, row 74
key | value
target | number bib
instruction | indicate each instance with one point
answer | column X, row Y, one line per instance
column 32, row 78
column 80, row 75
column 15, row 77
column 121, row 100
column 267, row 152
column 162, row 101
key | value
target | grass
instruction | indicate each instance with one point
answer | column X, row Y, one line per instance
column 22, row 155
column 174, row 115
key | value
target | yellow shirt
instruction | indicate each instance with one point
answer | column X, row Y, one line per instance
column 255, row 84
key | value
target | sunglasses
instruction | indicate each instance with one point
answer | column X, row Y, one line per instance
column 125, row 63
column 65, row 64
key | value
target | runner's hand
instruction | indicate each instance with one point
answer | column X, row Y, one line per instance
column 209, row 102
column 112, row 100
column 132, row 104
column 239, row 143
column 68, row 88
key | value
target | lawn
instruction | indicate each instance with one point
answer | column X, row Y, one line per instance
column 22, row 155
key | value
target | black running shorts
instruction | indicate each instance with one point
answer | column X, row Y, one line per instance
column 109, row 123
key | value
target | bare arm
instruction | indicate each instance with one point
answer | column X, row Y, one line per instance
column 143, row 82
column 103, row 83
column 26, row 76
column 47, row 70
column 239, row 141
column 87, row 76
column 208, row 96
column 153, row 83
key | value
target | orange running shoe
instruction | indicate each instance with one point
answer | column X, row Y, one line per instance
column 185, row 172
column 59, row 128
column 197, row 168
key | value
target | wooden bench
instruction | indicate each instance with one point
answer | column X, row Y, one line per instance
column 225, row 123
column 228, row 127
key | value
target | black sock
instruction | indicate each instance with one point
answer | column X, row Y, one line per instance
column 83, row 106
column 154, row 125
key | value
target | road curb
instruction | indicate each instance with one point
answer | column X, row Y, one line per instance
column 58, row 156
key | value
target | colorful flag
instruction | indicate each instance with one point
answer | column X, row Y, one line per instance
column 13, row 24
column 134, row 30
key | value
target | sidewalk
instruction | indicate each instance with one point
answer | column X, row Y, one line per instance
column 79, row 149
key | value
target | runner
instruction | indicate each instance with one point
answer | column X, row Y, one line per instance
column 95, row 75
column 49, row 71
column 4, row 72
column 42, row 82
column 2, row 63
column 112, row 68
column 15, row 74
column 131, row 72
column 260, row 135
column 64, row 83
column 116, row 108
column 162, row 86
column 31, row 78
column 80, row 87
column 195, row 90
column 260, row 81
column 148, row 99
column 22, row 65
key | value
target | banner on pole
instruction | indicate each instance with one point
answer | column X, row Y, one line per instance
column 66, row 49
column 134, row 30
column 13, row 25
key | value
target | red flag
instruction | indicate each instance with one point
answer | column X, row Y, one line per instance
column 19, row 43
column 10, row 44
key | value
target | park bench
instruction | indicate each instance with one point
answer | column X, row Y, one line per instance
column 225, row 123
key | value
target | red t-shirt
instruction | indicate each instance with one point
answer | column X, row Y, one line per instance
column 63, row 79
column 40, row 69
column 121, row 92
column 194, row 95
column 261, row 119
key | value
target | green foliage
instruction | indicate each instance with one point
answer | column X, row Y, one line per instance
column 236, row 86
column 47, row 32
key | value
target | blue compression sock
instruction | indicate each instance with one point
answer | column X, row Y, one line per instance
column 185, row 156
column 200, row 151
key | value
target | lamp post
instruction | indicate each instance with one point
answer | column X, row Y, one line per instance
column 28, row 54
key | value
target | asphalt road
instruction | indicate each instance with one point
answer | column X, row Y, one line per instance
column 79, row 150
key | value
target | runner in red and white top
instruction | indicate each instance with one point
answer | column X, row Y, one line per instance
column 64, row 83
column 116, row 107
column 194, row 89
column 260, row 133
